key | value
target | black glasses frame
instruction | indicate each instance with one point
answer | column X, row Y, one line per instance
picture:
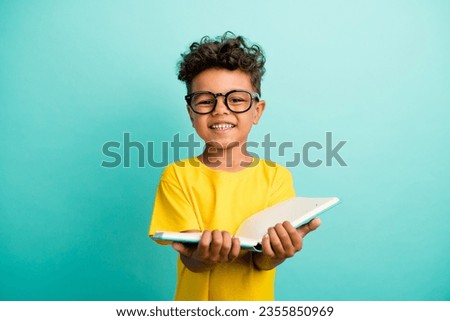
column 188, row 98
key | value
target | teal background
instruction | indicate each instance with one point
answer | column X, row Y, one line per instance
column 77, row 74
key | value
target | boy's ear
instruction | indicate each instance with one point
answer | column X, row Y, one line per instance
column 259, row 109
column 190, row 115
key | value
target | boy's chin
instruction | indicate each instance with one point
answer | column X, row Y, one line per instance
column 224, row 144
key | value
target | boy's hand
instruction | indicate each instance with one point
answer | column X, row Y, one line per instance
column 281, row 242
column 214, row 247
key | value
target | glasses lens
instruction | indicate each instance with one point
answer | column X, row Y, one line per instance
column 203, row 102
column 239, row 101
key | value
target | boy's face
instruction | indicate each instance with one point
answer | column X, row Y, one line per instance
column 209, row 126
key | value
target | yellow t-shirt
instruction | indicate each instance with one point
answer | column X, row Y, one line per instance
column 192, row 196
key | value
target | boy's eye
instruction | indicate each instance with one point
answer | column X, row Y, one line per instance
column 205, row 102
column 238, row 99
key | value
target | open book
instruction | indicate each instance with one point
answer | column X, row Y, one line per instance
column 297, row 210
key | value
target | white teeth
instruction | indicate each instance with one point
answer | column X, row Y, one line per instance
column 222, row 126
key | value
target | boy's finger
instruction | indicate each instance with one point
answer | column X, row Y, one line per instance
column 216, row 245
column 275, row 242
column 267, row 249
column 203, row 245
column 226, row 246
column 290, row 239
column 308, row 227
column 294, row 236
column 182, row 249
column 235, row 248
column 285, row 239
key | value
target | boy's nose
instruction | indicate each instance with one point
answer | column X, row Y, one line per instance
column 221, row 108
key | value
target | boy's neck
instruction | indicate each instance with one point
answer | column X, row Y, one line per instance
column 231, row 159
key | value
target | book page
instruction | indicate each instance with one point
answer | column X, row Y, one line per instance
column 297, row 210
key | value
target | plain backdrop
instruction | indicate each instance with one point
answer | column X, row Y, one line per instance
column 75, row 75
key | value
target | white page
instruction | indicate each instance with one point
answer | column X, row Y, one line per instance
column 297, row 210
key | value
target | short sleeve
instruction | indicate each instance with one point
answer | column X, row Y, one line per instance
column 282, row 186
column 172, row 211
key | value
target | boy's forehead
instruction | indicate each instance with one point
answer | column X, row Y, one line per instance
column 221, row 80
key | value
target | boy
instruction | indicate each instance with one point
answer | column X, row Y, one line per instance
column 214, row 192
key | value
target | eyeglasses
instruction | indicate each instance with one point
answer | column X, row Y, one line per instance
column 204, row 102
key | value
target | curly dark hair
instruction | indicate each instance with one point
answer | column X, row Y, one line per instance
column 229, row 51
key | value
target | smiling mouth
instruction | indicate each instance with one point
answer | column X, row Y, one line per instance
column 222, row 126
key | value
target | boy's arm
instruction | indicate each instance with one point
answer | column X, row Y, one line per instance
column 281, row 242
column 214, row 247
